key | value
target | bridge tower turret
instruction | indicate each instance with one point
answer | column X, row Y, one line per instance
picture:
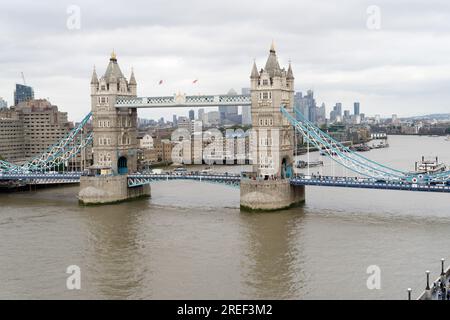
column 273, row 140
column 115, row 130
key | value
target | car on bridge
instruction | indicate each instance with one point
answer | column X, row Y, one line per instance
column 180, row 171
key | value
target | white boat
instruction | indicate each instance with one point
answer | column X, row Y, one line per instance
column 430, row 166
column 206, row 170
column 305, row 164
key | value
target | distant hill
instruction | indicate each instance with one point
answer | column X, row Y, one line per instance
column 437, row 116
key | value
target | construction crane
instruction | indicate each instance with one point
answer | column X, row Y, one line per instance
column 23, row 78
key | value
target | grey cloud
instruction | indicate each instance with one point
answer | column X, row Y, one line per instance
column 331, row 49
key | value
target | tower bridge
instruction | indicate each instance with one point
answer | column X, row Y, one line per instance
column 270, row 185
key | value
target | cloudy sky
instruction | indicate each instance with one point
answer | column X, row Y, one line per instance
column 336, row 49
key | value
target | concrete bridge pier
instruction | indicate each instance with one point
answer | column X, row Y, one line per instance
column 109, row 189
column 270, row 195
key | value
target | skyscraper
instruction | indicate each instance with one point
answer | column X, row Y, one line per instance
column 298, row 104
column 191, row 114
column 201, row 114
column 336, row 113
column 229, row 114
column 338, row 109
column 311, row 102
column 245, row 110
column 306, row 104
column 23, row 93
column 245, row 91
column 356, row 108
column 347, row 118
column 3, row 103
column 321, row 114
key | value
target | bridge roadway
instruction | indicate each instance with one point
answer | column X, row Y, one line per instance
column 42, row 178
column 134, row 180
column 366, row 183
column 139, row 179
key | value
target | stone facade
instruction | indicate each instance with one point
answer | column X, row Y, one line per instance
column 273, row 135
column 12, row 138
column 115, row 130
column 43, row 125
column 115, row 144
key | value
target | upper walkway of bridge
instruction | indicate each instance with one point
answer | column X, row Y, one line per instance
column 182, row 100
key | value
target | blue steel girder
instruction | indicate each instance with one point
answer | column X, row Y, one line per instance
column 353, row 160
column 62, row 151
column 341, row 154
column 347, row 182
column 411, row 177
column 340, row 147
column 140, row 179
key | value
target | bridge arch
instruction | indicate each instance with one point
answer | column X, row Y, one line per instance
column 286, row 168
column 122, row 167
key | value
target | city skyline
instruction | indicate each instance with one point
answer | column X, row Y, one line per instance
column 333, row 52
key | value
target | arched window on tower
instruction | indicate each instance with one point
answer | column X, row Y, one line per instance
column 125, row 139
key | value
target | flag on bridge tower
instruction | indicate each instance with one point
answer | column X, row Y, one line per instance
column 195, row 81
column 160, row 82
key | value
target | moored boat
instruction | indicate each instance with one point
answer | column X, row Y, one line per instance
column 429, row 166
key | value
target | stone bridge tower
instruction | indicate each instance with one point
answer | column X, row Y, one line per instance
column 271, row 88
column 115, row 130
column 272, row 140
column 114, row 140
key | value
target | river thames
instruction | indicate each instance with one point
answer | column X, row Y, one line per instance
column 191, row 241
